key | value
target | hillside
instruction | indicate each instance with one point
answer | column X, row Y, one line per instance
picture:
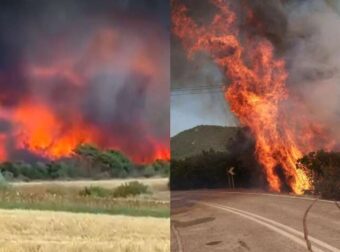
column 204, row 137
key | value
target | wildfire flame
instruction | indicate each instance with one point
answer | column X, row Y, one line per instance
column 40, row 131
column 49, row 120
column 257, row 89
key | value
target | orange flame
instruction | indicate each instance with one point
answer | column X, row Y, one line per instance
column 39, row 127
column 3, row 153
column 40, row 130
column 255, row 93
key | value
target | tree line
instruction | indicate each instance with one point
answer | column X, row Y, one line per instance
column 88, row 161
column 209, row 169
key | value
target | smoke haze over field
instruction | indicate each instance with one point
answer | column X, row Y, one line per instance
column 84, row 71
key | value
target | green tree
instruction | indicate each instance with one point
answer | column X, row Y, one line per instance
column 108, row 161
column 161, row 167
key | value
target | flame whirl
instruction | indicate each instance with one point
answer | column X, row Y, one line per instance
column 257, row 87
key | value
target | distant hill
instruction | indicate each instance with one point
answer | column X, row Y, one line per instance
column 194, row 141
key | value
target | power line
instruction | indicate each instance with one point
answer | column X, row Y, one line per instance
column 202, row 89
column 198, row 87
column 196, row 93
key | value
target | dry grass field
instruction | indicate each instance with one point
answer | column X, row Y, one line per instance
column 73, row 196
column 159, row 186
column 155, row 183
column 45, row 231
column 71, row 221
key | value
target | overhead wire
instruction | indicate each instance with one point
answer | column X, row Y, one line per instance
column 203, row 89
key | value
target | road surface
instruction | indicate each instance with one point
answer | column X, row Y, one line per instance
column 220, row 220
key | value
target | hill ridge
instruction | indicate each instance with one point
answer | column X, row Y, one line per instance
column 200, row 138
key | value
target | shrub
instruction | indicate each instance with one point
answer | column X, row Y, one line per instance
column 8, row 176
column 130, row 189
column 95, row 191
column 10, row 167
column 3, row 182
column 162, row 167
column 329, row 188
column 206, row 170
column 324, row 169
column 149, row 171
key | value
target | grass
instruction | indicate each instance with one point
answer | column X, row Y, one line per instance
column 88, row 199
column 25, row 230
column 156, row 184
column 76, row 208
column 96, row 191
column 94, row 221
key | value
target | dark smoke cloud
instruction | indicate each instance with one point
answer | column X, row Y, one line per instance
column 102, row 39
column 272, row 14
column 305, row 34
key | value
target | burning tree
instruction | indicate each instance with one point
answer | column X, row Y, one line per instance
column 256, row 90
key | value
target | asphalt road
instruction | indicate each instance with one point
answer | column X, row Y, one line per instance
column 220, row 220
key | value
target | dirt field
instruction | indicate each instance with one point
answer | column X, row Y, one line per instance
column 22, row 230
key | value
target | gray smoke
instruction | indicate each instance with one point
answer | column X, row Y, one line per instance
column 313, row 56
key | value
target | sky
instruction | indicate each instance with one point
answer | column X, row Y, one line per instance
column 190, row 110
column 206, row 106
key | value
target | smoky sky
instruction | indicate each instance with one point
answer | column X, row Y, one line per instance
column 109, row 62
column 189, row 110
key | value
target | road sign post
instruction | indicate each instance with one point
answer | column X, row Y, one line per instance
column 231, row 173
column 229, row 182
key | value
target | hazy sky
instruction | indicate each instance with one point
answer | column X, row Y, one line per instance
column 188, row 111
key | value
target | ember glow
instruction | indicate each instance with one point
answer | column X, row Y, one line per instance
column 256, row 91
column 91, row 79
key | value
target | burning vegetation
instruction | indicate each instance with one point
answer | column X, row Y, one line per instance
column 256, row 88
column 85, row 76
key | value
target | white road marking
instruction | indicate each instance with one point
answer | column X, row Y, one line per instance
column 279, row 195
column 275, row 226
column 178, row 238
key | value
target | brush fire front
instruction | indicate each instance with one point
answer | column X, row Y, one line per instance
column 86, row 87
